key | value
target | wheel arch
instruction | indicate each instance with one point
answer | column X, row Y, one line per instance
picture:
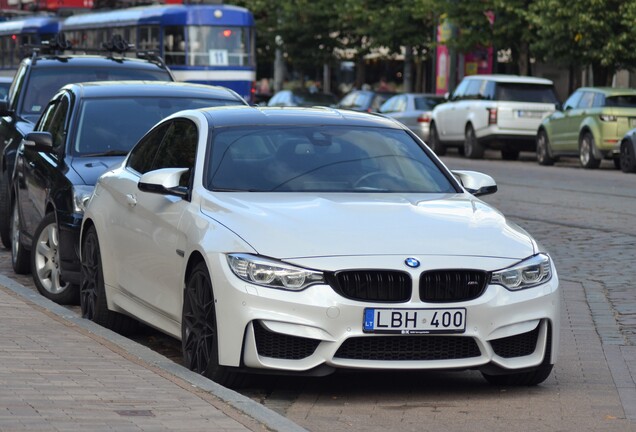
column 195, row 258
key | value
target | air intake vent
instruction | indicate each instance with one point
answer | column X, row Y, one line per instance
column 398, row 348
column 280, row 346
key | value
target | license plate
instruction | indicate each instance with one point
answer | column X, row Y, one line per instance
column 530, row 114
column 414, row 321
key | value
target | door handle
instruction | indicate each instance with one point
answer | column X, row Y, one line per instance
column 131, row 199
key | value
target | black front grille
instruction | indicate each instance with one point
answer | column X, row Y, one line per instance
column 408, row 348
column 372, row 285
column 516, row 346
column 280, row 346
column 452, row 285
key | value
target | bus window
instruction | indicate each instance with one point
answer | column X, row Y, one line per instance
column 174, row 45
column 218, row 46
column 149, row 38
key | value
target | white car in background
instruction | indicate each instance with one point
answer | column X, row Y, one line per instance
column 301, row 240
column 501, row 112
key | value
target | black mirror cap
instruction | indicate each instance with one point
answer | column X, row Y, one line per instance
column 4, row 108
column 39, row 141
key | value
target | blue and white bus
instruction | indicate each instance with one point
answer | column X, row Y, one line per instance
column 210, row 44
column 15, row 34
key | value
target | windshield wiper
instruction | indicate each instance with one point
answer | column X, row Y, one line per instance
column 107, row 153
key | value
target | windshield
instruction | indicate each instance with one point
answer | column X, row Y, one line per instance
column 311, row 99
column 427, row 103
column 43, row 83
column 513, row 92
column 217, row 46
column 113, row 126
column 321, row 159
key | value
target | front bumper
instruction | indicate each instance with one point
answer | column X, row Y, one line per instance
column 298, row 332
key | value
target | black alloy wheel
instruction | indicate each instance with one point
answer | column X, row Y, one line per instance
column 472, row 148
column 433, row 139
column 199, row 333
column 628, row 157
column 5, row 210
column 92, row 293
column 544, row 153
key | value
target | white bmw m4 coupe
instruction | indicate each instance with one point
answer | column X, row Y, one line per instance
column 303, row 240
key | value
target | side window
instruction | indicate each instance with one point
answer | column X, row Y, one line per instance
column 143, row 154
column 488, row 90
column 389, row 105
column 460, row 90
column 586, row 100
column 599, row 100
column 400, row 104
column 55, row 120
column 178, row 149
column 16, row 86
column 473, row 89
column 572, row 101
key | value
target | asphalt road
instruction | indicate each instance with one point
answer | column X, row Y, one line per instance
column 585, row 219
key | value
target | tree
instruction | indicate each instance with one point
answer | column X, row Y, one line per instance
column 595, row 33
column 503, row 24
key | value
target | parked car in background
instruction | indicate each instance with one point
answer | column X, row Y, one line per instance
column 36, row 81
column 500, row 112
column 414, row 110
column 364, row 100
column 259, row 237
column 5, row 83
column 627, row 156
column 590, row 126
column 302, row 98
column 84, row 129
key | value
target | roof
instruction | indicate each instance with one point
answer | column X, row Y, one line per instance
column 512, row 79
column 296, row 116
column 152, row 88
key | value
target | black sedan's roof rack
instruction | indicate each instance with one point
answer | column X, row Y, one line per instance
column 117, row 45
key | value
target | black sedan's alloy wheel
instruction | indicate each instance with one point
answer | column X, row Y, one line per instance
column 199, row 339
column 92, row 292
column 46, row 265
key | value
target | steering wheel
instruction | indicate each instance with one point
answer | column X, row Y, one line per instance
column 377, row 175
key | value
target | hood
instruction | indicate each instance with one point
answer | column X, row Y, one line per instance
column 90, row 168
column 297, row 225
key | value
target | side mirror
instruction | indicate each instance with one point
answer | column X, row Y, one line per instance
column 447, row 96
column 4, row 108
column 164, row 181
column 39, row 141
column 476, row 183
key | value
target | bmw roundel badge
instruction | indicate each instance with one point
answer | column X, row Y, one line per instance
column 412, row 262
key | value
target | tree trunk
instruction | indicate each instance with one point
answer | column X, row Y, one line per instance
column 602, row 75
column 408, row 68
column 360, row 71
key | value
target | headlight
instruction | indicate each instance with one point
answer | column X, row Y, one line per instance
column 528, row 273
column 272, row 274
column 81, row 195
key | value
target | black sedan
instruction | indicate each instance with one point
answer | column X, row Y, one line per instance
column 84, row 129
column 628, row 152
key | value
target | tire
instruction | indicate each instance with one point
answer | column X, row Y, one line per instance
column 5, row 210
column 438, row 148
column 628, row 157
column 199, row 337
column 586, row 152
column 92, row 293
column 45, row 264
column 530, row 378
column 544, row 153
column 472, row 148
column 19, row 255
column 510, row 154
